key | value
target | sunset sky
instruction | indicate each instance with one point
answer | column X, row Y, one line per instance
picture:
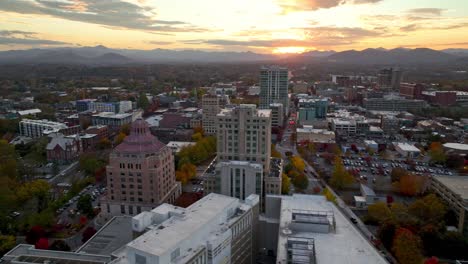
column 264, row 26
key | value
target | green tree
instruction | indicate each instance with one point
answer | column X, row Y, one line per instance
column 143, row 102
column 90, row 163
column 104, row 143
column 340, row 177
column 6, row 243
column 285, row 184
column 197, row 136
column 301, row 182
column 8, row 166
column 85, row 205
column 407, row 247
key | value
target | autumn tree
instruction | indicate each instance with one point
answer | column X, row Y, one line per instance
column 329, row 195
column 298, row 163
column 285, row 184
column 186, row 172
column 38, row 189
column 340, row 177
column 197, row 136
column 397, row 173
column 379, row 212
column 411, row 184
column 120, row 138
column 104, row 143
column 407, row 247
column 275, row 153
column 42, row 243
column 429, row 209
column 436, row 152
column 301, row 182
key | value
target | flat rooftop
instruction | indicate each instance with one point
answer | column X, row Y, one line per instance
column 457, row 146
column 457, row 184
column 344, row 245
column 171, row 232
column 112, row 236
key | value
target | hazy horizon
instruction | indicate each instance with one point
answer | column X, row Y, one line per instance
column 261, row 26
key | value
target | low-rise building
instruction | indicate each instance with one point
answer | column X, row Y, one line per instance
column 310, row 229
column 38, row 128
column 406, row 150
column 63, row 149
column 393, row 103
column 176, row 146
column 308, row 133
column 111, row 120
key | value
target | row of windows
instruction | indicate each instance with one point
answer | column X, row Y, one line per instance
column 130, row 166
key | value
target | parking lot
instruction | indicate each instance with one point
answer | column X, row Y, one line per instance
column 373, row 169
column 69, row 208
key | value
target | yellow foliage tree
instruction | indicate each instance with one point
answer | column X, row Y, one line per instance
column 275, row 153
column 340, row 177
column 120, row 138
column 285, row 184
column 298, row 163
column 379, row 212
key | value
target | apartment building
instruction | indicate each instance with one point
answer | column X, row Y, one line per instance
column 38, row 128
column 274, row 87
column 140, row 174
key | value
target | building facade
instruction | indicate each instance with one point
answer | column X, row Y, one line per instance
column 393, row 103
column 277, row 115
column 311, row 110
column 62, row 149
column 453, row 190
column 274, row 87
column 38, row 128
column 243, row 154
column 212, row 105
column 140, row 174
column 111, row 120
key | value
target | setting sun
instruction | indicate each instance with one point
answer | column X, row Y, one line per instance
column 281, row 50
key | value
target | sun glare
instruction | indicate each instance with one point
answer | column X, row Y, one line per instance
column 282, row 50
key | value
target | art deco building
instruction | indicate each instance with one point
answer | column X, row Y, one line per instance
column 140, row 174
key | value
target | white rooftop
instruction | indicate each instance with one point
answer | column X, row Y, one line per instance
column 457, row 146
column 344, row 245
column 191, row 226
column 407, row 147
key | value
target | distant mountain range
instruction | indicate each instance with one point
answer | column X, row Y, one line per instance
column 101, row 55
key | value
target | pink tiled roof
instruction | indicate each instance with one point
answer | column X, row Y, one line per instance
column 140, row 140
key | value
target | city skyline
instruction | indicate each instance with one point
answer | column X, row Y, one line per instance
column 263, row 26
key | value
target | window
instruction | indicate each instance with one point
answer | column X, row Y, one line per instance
column 140, row 259
column 122, row 209
column 175, row 254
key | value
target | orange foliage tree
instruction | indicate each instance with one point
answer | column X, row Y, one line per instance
column 407, row 247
